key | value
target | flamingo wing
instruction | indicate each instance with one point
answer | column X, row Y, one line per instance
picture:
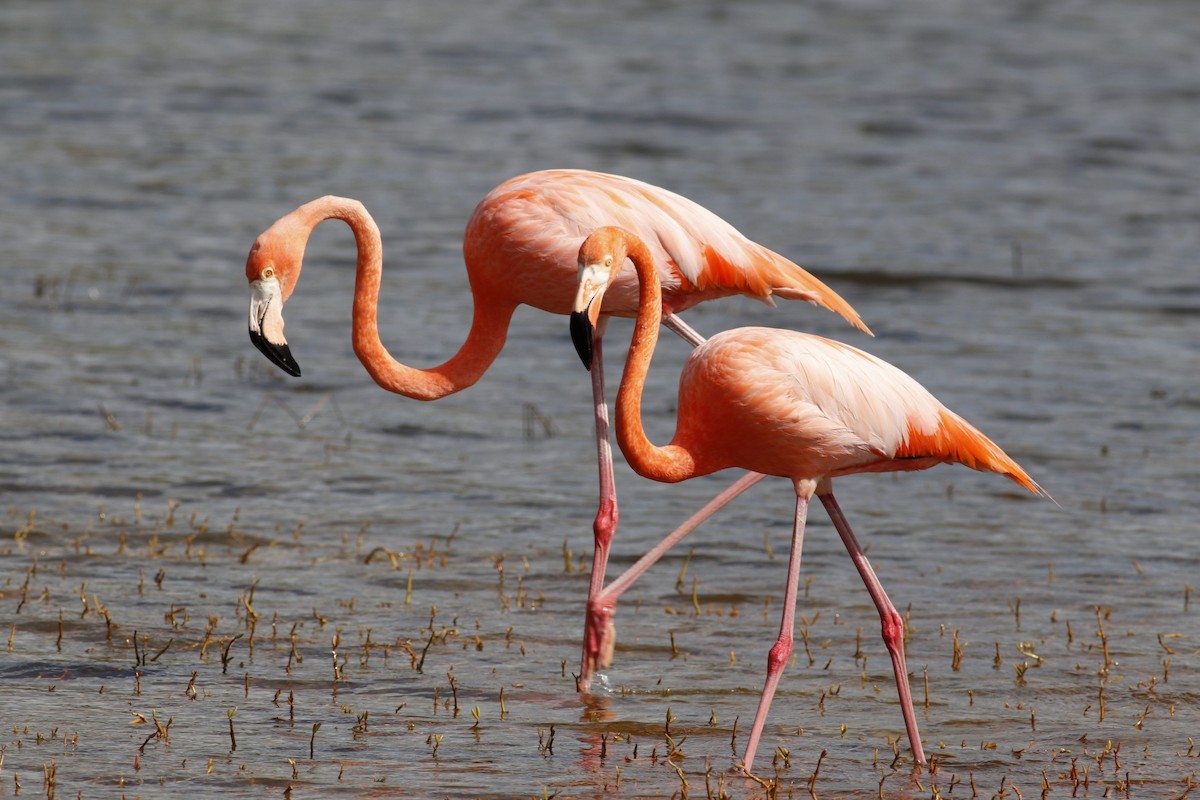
column 827, row 402
column 698, row 254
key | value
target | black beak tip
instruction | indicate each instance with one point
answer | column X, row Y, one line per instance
column 582, row 335
column 278, row 354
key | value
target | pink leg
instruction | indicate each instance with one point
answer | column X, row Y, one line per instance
column 600, row 635
column 597, row 629
column 893, row 623
column 607, row 515
column 782, row 651
column 673, row 322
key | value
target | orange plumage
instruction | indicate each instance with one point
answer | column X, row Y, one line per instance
column 796, row 405
column 781, row 403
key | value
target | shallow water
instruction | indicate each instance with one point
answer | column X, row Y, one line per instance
column 1007, row 194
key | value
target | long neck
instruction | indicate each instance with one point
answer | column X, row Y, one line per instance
column 489, row 326
column 671, row 463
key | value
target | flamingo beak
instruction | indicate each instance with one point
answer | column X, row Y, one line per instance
column 582, row 335
column 266, row 325
column 585, row 312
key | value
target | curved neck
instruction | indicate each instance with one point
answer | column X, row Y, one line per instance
column 489, row 326
column 671, row 463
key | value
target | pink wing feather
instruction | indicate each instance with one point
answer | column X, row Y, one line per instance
column 699, row 256
column 810, row 400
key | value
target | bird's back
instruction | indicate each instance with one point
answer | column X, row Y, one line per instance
column 798, row 405
column 529, row 228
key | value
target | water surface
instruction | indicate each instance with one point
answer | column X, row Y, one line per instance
column 1008, row 194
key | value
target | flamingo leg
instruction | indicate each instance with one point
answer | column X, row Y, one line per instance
column 598, row 629
column 600, row 633
column 782, row 649
column 674, row 323
column 605, row 524
column 893, row 623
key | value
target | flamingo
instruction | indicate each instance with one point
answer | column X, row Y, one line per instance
column 783, row 403
column 520, row 246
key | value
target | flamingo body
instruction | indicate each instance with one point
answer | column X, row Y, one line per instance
column 793, row 405
column 783, row 403
column 520, row 247
column 523, row 239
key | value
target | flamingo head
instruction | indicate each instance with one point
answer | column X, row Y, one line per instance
column 600, row 258
column 272, row 268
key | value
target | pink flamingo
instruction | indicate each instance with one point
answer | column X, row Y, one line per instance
column 779, row 403
column 520, row 246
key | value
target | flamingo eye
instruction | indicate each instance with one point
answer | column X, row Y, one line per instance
column 269, row 272
column 608, row 261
